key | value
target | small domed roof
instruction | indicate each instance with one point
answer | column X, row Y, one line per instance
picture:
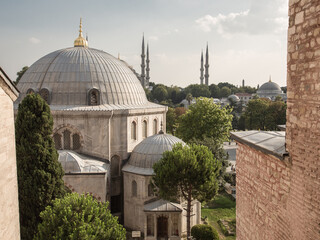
column 234, row 98
column 148, row 152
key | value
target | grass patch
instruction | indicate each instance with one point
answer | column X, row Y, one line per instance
column 222, row 207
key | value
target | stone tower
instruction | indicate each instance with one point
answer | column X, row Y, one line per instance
column 201, row 69
column 206, row 75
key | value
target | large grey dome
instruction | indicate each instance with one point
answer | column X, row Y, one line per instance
column 270, row 87
column 148, row 152
column 68, row 75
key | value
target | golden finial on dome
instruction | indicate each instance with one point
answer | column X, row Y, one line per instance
column 270, row 78
column 80, row 41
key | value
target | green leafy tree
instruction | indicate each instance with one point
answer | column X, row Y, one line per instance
column 39, row 172
column 77, row 217
column 276, row 115
column 197, row 179
column 225, row 92
column 205, row 119
column 159, row 92
column 256, row 113
column 171, row 120
column 204, row 232
column 198, row 90
column 214, row 91
column 20, row 74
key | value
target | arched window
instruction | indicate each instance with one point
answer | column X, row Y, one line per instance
column 30, row 90
column 134, row 130
column 134, row 188
column 66, row 139
column 115, row 166
column 155, row 126
column 93, row 97
column 144, row 129
column 57, row 141
column 76, row 141
column 45, row 94
column 150, row 190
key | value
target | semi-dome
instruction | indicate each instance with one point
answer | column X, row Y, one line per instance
column 81, row 76
column 148, row 152
column 73, row 162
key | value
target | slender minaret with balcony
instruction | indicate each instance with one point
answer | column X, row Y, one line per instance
column 143, row 65
column 201, row 69
column 148, row 68
column 206, row 75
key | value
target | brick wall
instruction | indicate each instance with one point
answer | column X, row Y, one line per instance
column 278, row 200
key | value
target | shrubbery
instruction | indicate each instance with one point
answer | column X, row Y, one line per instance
column 204, row 232
column 79, row 217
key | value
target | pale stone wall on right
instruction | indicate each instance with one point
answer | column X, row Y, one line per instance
column 303, row 114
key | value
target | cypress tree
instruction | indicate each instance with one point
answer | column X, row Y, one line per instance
column 39, row 172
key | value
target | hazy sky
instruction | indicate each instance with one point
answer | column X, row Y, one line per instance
column 247, row 39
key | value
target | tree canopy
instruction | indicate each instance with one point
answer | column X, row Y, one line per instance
column 39, row 172
column 264, row 114
column 77, row 217
column 20, row 74
column 197, row 179
column 205, row 119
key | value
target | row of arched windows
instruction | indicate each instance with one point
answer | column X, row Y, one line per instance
column 144, row 129
column 93, row 95
column 134, row 189
column 66, row 140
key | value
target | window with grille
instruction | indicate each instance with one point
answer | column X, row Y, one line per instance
column 66, row 139
column 76, row 141
column 44, row 93
column 57, row 141
column 94, row 97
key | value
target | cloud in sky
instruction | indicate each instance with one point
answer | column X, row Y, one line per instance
column 262, row 17
column 34, row 40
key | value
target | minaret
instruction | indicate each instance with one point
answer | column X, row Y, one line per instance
column 243, row 83
column 148, row 67
column 206, row 75
column 143, row 65
column 201, row 69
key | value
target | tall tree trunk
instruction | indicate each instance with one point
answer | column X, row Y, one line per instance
column 189, row 200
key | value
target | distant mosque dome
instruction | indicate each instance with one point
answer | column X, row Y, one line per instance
column 270, row 90
column 234, row 98
column 82, row 76
column 148, row 152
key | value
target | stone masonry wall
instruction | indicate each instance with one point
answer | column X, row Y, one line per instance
column 9, row 207
column 303, row 114
column 263, row 188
